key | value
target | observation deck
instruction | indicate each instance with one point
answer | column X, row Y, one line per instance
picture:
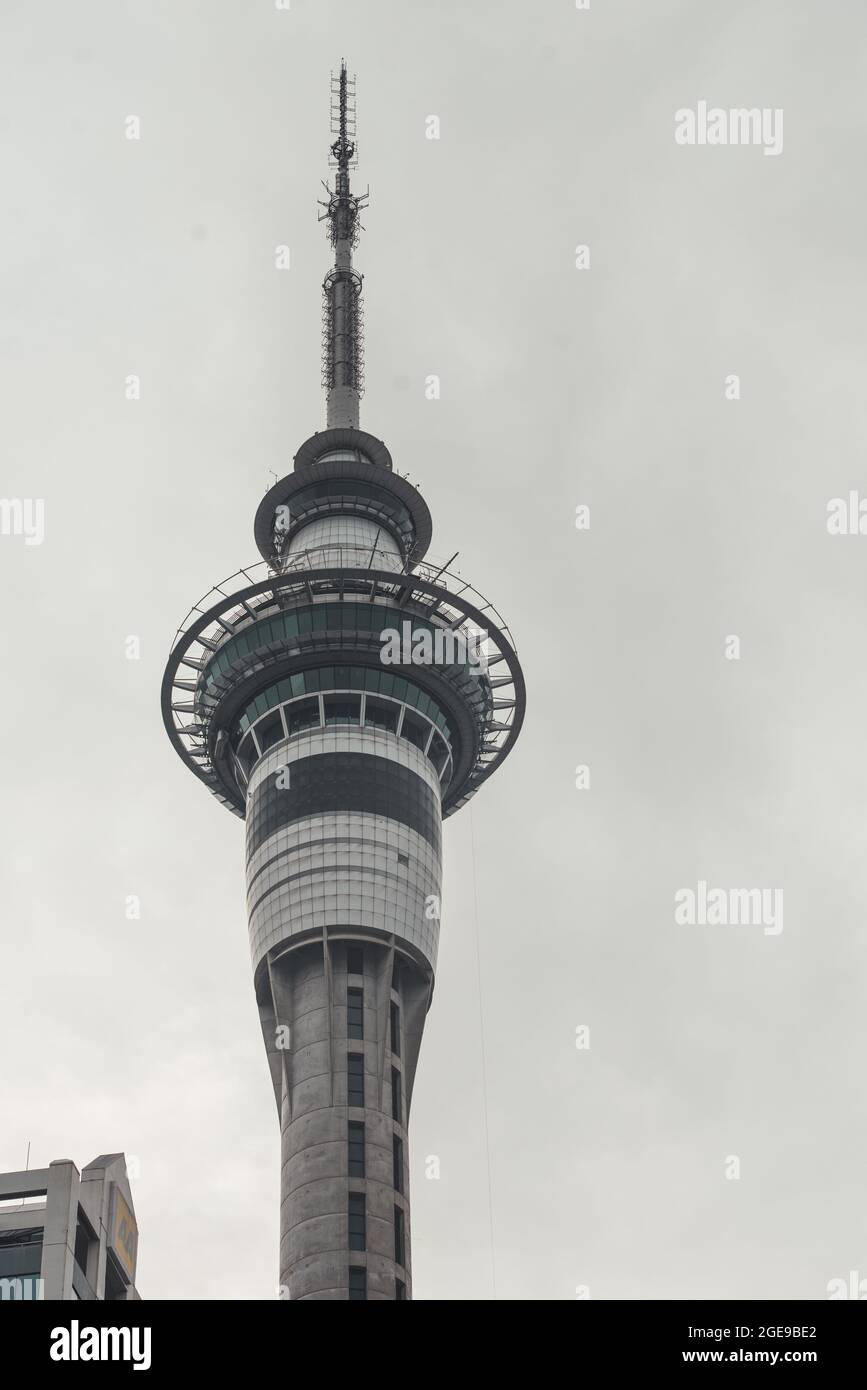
column 240, row 672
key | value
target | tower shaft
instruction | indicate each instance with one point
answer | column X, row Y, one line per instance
column 343, row 855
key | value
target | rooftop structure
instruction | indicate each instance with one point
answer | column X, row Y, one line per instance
column 68, row 1235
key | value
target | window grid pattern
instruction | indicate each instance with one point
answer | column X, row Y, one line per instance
column 341, row 868
column 337, row 870
column 343, row 707
column 351, row 782
column 344, row 529
column 327, row 678
column 393, row 696
column 335, row 494
column 349, row 616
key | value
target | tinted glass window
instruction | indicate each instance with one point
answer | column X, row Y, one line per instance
column 355, row 1013
column 415, row 731
column 356, row 1149
column 397, row 1163
column 438, row 753
column 398, row 1236
column 355, row 1079
column 246, row 754
column 342, row 710
column 357, row 1221
column 269, row 730
column 379, row 715
column 304, row 715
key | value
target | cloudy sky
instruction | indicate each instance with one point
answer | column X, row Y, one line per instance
column 607, row 1167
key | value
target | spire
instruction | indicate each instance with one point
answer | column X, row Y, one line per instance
column 342, row 307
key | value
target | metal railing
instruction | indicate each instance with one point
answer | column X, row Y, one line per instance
column 321, row 557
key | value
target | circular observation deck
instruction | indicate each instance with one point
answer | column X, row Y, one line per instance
column 267, row 655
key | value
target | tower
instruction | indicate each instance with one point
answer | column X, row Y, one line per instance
column 342, row 696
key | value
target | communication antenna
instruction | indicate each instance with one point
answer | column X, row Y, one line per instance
column 342, row 303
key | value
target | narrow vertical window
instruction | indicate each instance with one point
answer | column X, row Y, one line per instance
column 397, row 1162
column 355, row 960
column 355, row 1013
column 395, row 1029
column 357, row 1221
column 399, row 1291
column 396, row 1106
column 356, row 1149
column 398, row 1236
column 355, row 1078
column 358, row 1284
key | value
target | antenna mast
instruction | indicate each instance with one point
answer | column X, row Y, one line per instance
column 342, row 304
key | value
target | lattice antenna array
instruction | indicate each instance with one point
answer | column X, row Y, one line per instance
column 342, row 303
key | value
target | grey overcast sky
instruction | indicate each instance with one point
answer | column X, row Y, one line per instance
column 609, row 1167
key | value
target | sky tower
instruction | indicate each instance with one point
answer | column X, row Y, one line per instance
column 342, row 696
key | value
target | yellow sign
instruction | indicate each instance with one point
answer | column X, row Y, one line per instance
column 123, row 1233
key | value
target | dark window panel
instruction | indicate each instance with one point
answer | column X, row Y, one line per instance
column 355, row 1013
column 269, row 730
column 357, row 1221
column 397, row 1162
column 350, row 782
column 340, row 710
column 399, row 1258
column 304, row 715
column 355, row 1078
column 356, row 1149
column 415, row 731
column 379, row 715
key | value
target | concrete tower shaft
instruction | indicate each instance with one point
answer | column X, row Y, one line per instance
column 344, row 952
